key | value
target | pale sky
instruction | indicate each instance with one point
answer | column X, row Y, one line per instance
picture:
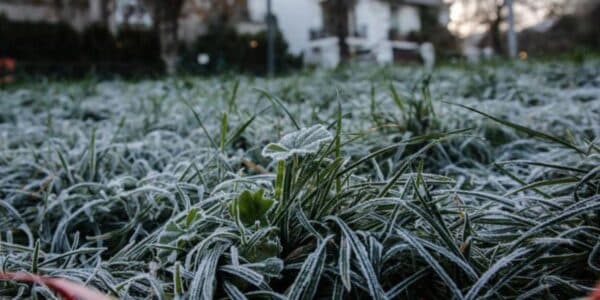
column 460, row 25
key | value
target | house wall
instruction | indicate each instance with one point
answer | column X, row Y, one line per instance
column 376, row 17
column 444, row 15
column 407, row 19
column 297, row 18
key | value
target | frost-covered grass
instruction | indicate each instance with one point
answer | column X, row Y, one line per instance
column 379, row 183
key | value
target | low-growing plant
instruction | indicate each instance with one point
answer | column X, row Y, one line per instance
column 316, row 204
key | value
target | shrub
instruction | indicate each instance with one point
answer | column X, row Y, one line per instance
column 38, row 41
column 56, row 48
column 229, row 50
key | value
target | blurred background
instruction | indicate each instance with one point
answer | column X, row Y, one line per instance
column 70, row 38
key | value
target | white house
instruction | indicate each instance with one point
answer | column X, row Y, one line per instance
column 378, row 28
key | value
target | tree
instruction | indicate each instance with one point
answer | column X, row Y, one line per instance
column 491, row 15
column 166, row 22
column 484, row 13
column 337, row 21
column 219, row 12
column 166, row 15
column 61, row 8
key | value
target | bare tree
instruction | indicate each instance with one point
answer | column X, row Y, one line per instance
column 488, row 13
column 493, row 15
column 166, row 21
column 165, row 14
column 61, row 8
column 106, row 6
column 337, row 21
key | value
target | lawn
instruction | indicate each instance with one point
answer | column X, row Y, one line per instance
column 385, row 183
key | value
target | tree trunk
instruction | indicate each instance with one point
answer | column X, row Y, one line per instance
column 337, row 17
column 341, row 29
column 167, row 22
column 60, row 10
column 496, row 34
column 105, row 11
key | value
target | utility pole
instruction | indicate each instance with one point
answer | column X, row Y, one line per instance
column 270, row 40
column 512, row 35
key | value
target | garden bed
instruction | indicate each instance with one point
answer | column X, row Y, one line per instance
column 475, row 182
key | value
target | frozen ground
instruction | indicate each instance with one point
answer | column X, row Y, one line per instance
column 134, row 187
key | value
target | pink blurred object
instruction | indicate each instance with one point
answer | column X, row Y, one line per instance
column 595, row 294
column 8, row 63
column 7, row 67
column 68, row 290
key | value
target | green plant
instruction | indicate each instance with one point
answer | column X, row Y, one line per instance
column 220, row 187
column 250, row 207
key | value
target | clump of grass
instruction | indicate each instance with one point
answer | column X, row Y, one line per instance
column 174, row 195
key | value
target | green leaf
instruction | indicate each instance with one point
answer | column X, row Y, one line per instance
column 435, row 265
column 244, row 273
column 224, row 130
column 304, row 286
column 277, row 102
column 525, row 130
column 233, row 292
column 301, row 142
column 344, row 262
column 250, row 207
column 204, row 282
column 396, row 98
column 177, row 233
column 36, row 255
column 541, row 183
column 404, row 284
column 472, row 294
column 177, row 281
column 360, row 252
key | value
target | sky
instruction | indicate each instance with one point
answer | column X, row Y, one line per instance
column 461, row 25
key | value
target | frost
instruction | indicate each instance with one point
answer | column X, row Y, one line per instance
column 301, row 142
column 120, row 174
